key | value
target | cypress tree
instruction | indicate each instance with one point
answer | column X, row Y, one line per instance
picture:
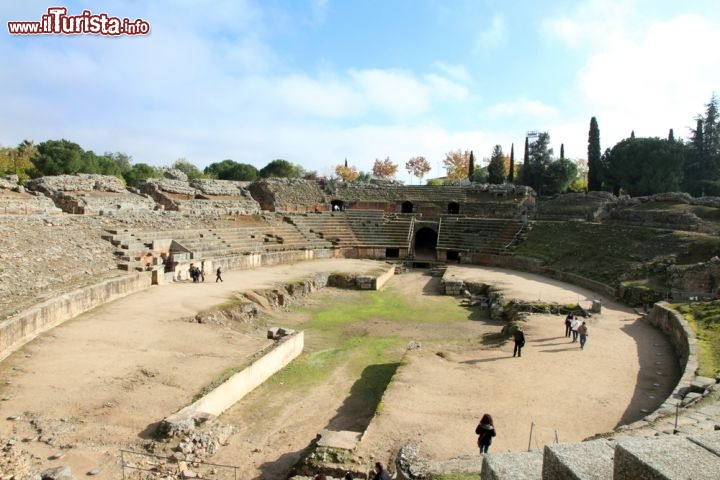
column 471, row 166
column 671, row 136
column 562, row 151
column 511, row 173
column 594, row 161
column 632, row 135
column 527, row 169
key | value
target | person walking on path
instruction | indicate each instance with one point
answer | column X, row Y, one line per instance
column 583, row 331
column 574, row 325
column 379, row 472
column 519, row 338
column 485, row 432
column 218, row 275
column 568, row 321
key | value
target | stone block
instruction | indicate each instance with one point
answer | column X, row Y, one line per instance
column 513, row 466
column 701, row 384
column 578, row 461
column 691, row 398
column 667, row 457
column 709, row 441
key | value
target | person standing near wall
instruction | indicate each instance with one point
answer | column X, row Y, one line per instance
column 218, row 275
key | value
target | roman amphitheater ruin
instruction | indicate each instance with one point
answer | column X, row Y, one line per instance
column 116, row 364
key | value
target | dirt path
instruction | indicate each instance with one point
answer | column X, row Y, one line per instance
column 96, row 384
column 437, row 401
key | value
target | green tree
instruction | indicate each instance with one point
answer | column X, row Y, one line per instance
column 58, row 157
column 17, row 161
column 702, row 169
column 364, row 177
column 645, row 166
column 140, row 171
column 539, row 158
column 282, row 169
column 559, row 175
column 496, row 168
column 594, row 163
column 231, row 170
column 511, row 169
column 188, row 169
column 471, row 166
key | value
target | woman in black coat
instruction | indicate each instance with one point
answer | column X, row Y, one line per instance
column 485, row 432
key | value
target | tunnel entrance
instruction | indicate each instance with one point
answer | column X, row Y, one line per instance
column 407, row 207
column 453, row 208
column 425, row 243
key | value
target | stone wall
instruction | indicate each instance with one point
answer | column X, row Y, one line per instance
column 592, row 206
column 700, row 280
column 236, row 387
column 201, row 197
column 23, row 327
column 90, row 194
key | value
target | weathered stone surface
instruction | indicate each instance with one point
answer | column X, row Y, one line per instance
column 666, row 457
column 709, row 441
column 57, row 473
column 578, row 461
column 512, row 466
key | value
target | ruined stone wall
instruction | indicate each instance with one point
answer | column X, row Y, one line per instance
column 89, row 194
column 16, row 200
column 640, row 211
column 591, row 206
column 699, row 279
column 282, row 194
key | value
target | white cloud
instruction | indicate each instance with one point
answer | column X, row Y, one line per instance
column 521, row 107
column 493, row 36
column 392, row 92
column 456, row 72
column 659, row 82
column 593, row 22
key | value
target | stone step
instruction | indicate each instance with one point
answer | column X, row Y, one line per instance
column 667, row 457
column 578, row 461
column 512, row 466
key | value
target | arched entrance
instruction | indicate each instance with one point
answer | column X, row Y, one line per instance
column 407, row 207
column 425, row 243
column 337, row 205
column 453, row 208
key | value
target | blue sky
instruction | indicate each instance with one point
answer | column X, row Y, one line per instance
column 318, row 81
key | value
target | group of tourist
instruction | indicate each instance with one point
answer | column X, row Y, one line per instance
column 197, row 274
column 574, row 327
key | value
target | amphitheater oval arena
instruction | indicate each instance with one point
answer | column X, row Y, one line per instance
column 283, row 328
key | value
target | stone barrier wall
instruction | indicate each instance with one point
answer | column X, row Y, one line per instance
column 683, row 339
column 243, row 382
column 23, row 327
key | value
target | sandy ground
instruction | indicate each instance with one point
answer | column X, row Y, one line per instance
column 99, row 383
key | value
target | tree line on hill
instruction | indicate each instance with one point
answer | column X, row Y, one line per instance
column 636, row 166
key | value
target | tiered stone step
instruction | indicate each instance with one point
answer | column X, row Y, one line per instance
column 578, row 461
column 513, row 466
column 668, row 457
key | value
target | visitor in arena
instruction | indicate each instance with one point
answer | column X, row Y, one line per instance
column 485, row 432
column 519, row 337
column 583, row 331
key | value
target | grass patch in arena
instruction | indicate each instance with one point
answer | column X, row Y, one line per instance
column 704, row 318
column 386, row 305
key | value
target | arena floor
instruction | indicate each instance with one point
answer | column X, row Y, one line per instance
column 100, row 382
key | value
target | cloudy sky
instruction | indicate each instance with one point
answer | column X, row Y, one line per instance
column 318, row 81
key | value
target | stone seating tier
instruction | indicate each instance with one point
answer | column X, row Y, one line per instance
column 484, row 235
